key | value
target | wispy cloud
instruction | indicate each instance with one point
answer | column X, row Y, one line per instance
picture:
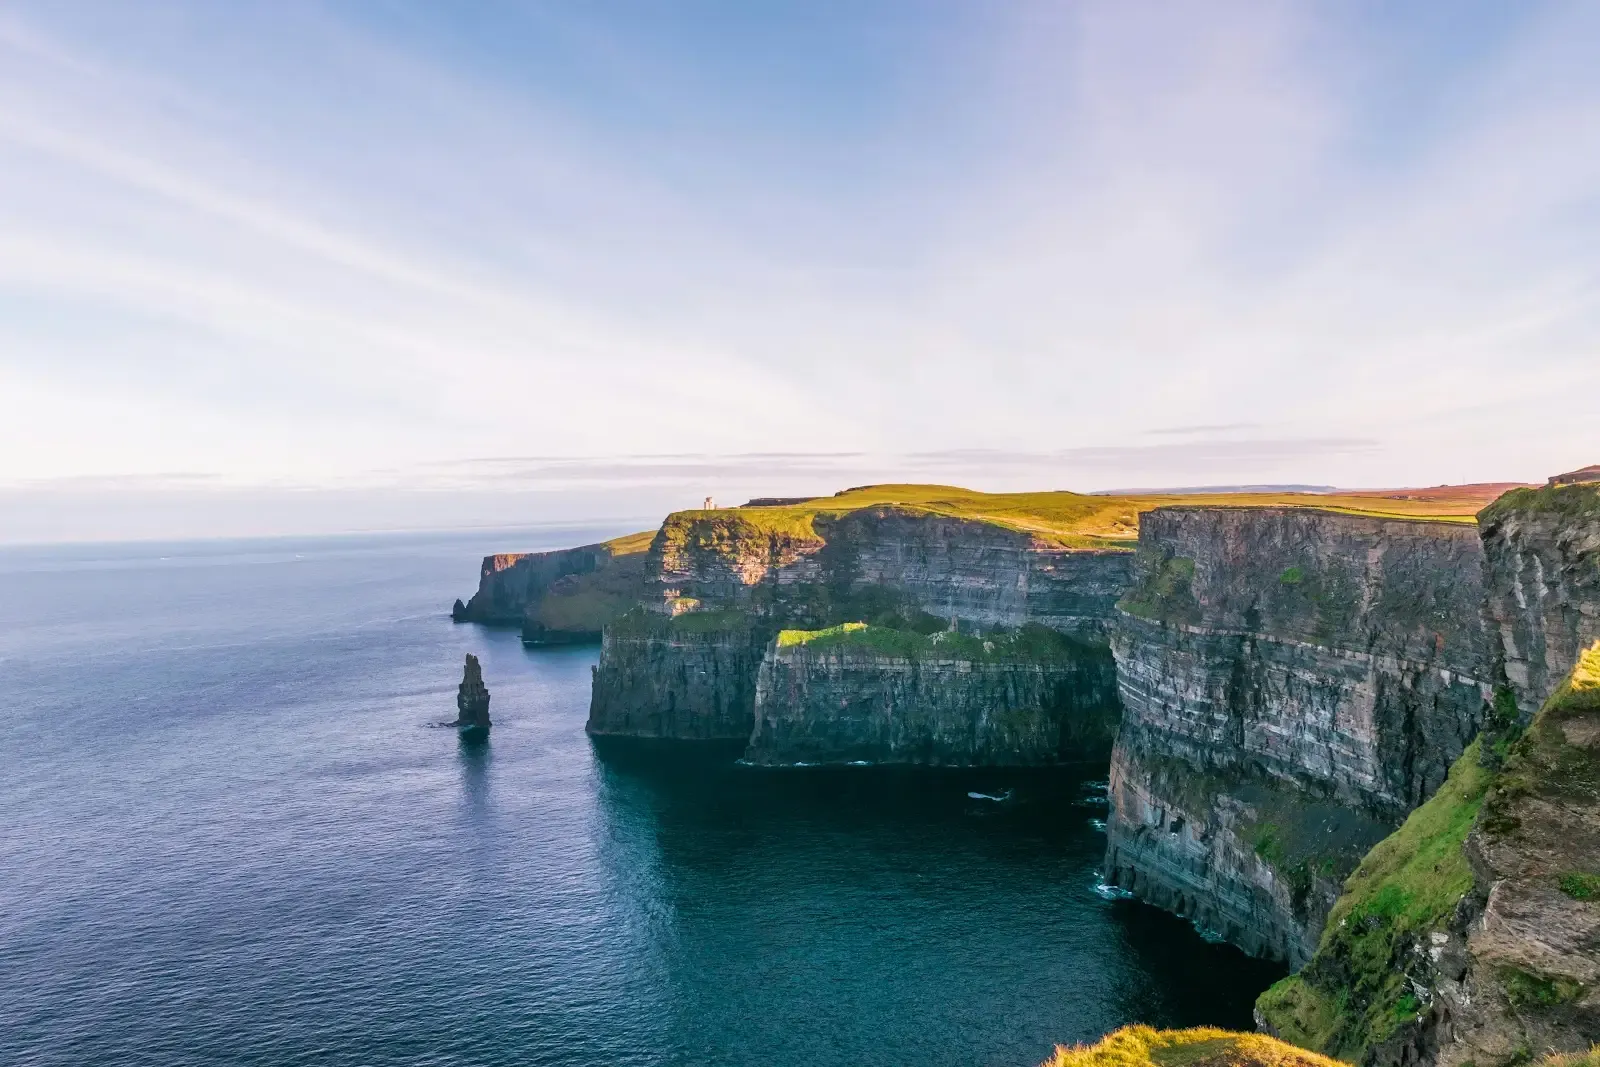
column 1089, row 244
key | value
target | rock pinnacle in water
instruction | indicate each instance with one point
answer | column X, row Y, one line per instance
column 472, row 697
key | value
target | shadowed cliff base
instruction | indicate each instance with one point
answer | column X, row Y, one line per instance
column 1473, row 934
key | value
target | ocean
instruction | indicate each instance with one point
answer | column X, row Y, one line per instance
column 233, row 833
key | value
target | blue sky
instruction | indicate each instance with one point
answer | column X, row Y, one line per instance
column 606, row 258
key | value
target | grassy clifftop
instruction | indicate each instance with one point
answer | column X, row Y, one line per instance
column 1032, row 643
column 1080, row 520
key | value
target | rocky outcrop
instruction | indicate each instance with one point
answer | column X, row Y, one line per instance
column 1293, row 681
column 1472, row 935
column 730, row 580
column 860, row 694
column 1245, row 857
column 690, row 678
column 472, row 697
column 817, row 570
column 1542, row 573
column 560, row 597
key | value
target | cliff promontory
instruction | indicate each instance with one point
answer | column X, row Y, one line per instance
column 690, row 663
column 560, row 597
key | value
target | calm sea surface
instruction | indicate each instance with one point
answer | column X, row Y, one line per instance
column 229, row 835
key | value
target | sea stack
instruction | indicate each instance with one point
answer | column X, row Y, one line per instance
column 472, row 698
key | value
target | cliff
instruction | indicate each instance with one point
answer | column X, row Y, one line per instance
column 855, row 693
column 1293, row 682
column 1542, row 568
column 562, row 596
column 689, row 678
column 796, row 566
column 735, row 578
column 1472, row 935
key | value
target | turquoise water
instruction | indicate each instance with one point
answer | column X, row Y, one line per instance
column 231, row 836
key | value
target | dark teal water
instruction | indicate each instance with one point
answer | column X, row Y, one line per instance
column 230, row 837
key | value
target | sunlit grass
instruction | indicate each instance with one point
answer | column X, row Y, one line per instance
column 1144, row 1046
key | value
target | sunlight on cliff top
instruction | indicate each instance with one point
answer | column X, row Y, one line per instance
column 1077, row 520
column 1144, row 1046
column 1586, row 675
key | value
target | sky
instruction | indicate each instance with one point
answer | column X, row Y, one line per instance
column 303, row 267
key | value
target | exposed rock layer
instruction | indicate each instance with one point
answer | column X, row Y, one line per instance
column 733, row 582
column 1472, row 935
column 978, row 574
column 1318, row 672
column 1542, row 572
column 849, row 704
column 665, row 679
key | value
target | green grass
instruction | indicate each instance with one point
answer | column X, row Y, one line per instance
column 1144, row 1046
column 1572, row 502
column 631, row 544
column 1542, row 762
column 1526, row 990
column 1353, row 994
column 1033, row 643
column 1580, row 885
column 1070, row 520
column 1161, row 589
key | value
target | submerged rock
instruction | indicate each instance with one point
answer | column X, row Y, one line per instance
column 472, row 697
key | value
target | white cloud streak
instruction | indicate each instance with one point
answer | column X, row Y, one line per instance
column 311, row 248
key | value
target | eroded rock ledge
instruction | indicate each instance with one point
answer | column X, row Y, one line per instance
column 1293, row 682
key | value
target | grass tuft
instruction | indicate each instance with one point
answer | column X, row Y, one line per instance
column 1144, row 1046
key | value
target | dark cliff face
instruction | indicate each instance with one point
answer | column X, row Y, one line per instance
column 936, row 700
column 676, row 679
column 1542, row 572
column 472, row 696
column 1319, row 672
column 1472, row 935
column 559, row 597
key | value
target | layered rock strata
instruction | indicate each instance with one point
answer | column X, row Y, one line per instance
column 823, row 569
column 857, row 695
column 1293, row 681
column 687, row 679
column 729, row 581
column 1472, row 935
column 1542, row 573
